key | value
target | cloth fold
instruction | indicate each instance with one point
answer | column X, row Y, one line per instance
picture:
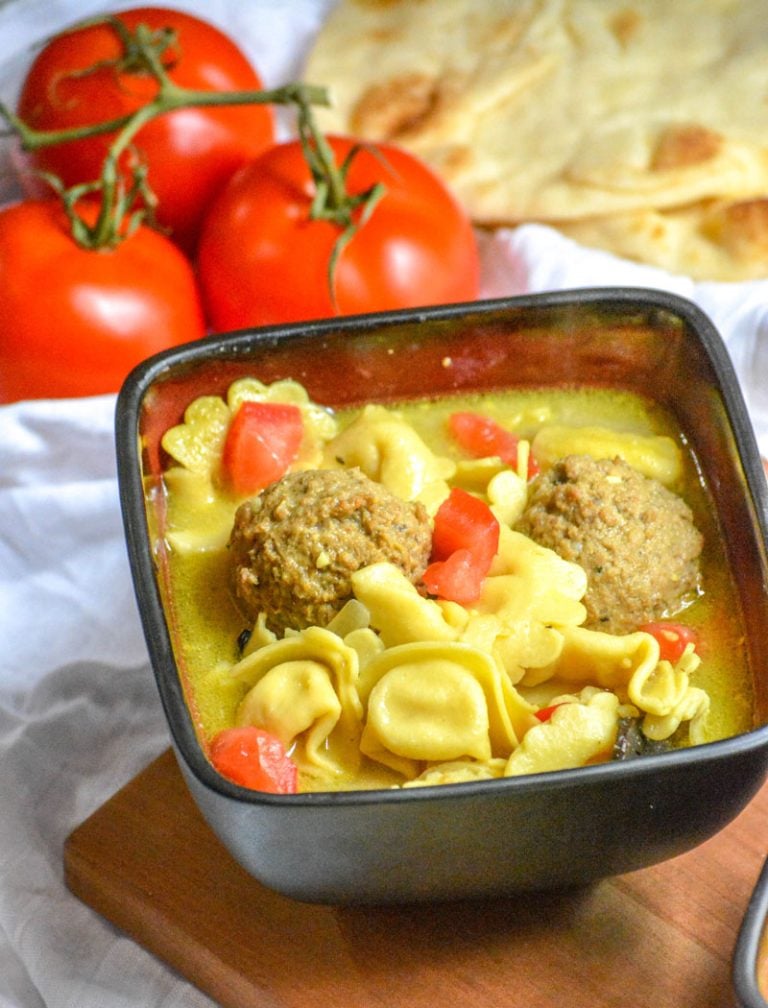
column 65, row 586
column 76, row 736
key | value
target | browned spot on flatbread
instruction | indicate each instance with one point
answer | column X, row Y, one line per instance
column 503, row 33
column 384, row 35
column 683, row 146
column 625, row 25
column 395, row 107
column 741, row 228
column 454, row 159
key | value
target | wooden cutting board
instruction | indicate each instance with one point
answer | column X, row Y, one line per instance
column 661, row 937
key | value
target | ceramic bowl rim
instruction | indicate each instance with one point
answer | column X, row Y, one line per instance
column 131, row 491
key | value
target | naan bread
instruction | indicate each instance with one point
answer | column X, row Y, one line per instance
column 640, row 126
column 712, row 240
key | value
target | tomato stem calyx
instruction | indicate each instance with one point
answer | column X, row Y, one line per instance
column 123, row 190
column 332, row 200
column 142, row 51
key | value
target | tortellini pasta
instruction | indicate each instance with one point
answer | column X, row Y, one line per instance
column 196, row 444
column 303, row 688
column 666, row 695
column 212, row 517
column 397, row 611
column 576, row 733
column 458, row 772
column 507, row 495
column 387, row 449
column 608, row 660
column 439, row 701
column 534, row 595
column 405, row 682
column 653, row 455
column 692, row 707
column 427, row 691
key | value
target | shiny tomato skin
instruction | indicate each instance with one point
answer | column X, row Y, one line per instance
column 465, row 522
column 263, row 440
column 255, row 759
column 465, row 540
column 74, row 322
column 673, row 638
column 261, row 260
column 482, row 436
column 191, row 152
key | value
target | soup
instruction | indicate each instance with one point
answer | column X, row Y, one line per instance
column 406, row 682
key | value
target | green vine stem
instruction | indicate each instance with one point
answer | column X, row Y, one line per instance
column 332, row 201
column 166, row 100
column 142, row 52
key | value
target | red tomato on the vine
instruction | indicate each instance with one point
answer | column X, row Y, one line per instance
column 262, row 260
column 73, row 322
column 190, row 152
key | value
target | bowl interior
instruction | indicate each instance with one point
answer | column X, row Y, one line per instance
column 652, row 343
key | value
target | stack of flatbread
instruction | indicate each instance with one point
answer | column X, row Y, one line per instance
column 636, row 126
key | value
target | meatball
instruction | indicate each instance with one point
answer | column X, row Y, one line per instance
column 296, row 545
column 634, row 538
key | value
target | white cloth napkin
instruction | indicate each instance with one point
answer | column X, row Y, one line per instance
column 79, row 713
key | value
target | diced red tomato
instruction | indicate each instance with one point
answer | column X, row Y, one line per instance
column 673, row 638
column 463, row 521
column 464, row 542
column 262, row 442
column 459, row 578
column 545, row 713
column 483, row 437
column 254, row 758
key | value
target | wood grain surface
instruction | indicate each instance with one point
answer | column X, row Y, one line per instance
column 661, row 937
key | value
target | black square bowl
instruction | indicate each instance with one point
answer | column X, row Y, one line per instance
column 542, row 831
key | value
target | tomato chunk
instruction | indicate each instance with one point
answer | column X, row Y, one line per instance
column 545, row 713
column 262, row 442
column 254, row 758
column 483, row 437
column 458, row 579
column 463, row 521
column 464, row 542
column 673, row 638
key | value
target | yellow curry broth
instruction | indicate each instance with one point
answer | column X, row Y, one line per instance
column 207, row 623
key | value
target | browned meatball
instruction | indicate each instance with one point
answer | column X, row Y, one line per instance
column 296, row 545
column 634, row 538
